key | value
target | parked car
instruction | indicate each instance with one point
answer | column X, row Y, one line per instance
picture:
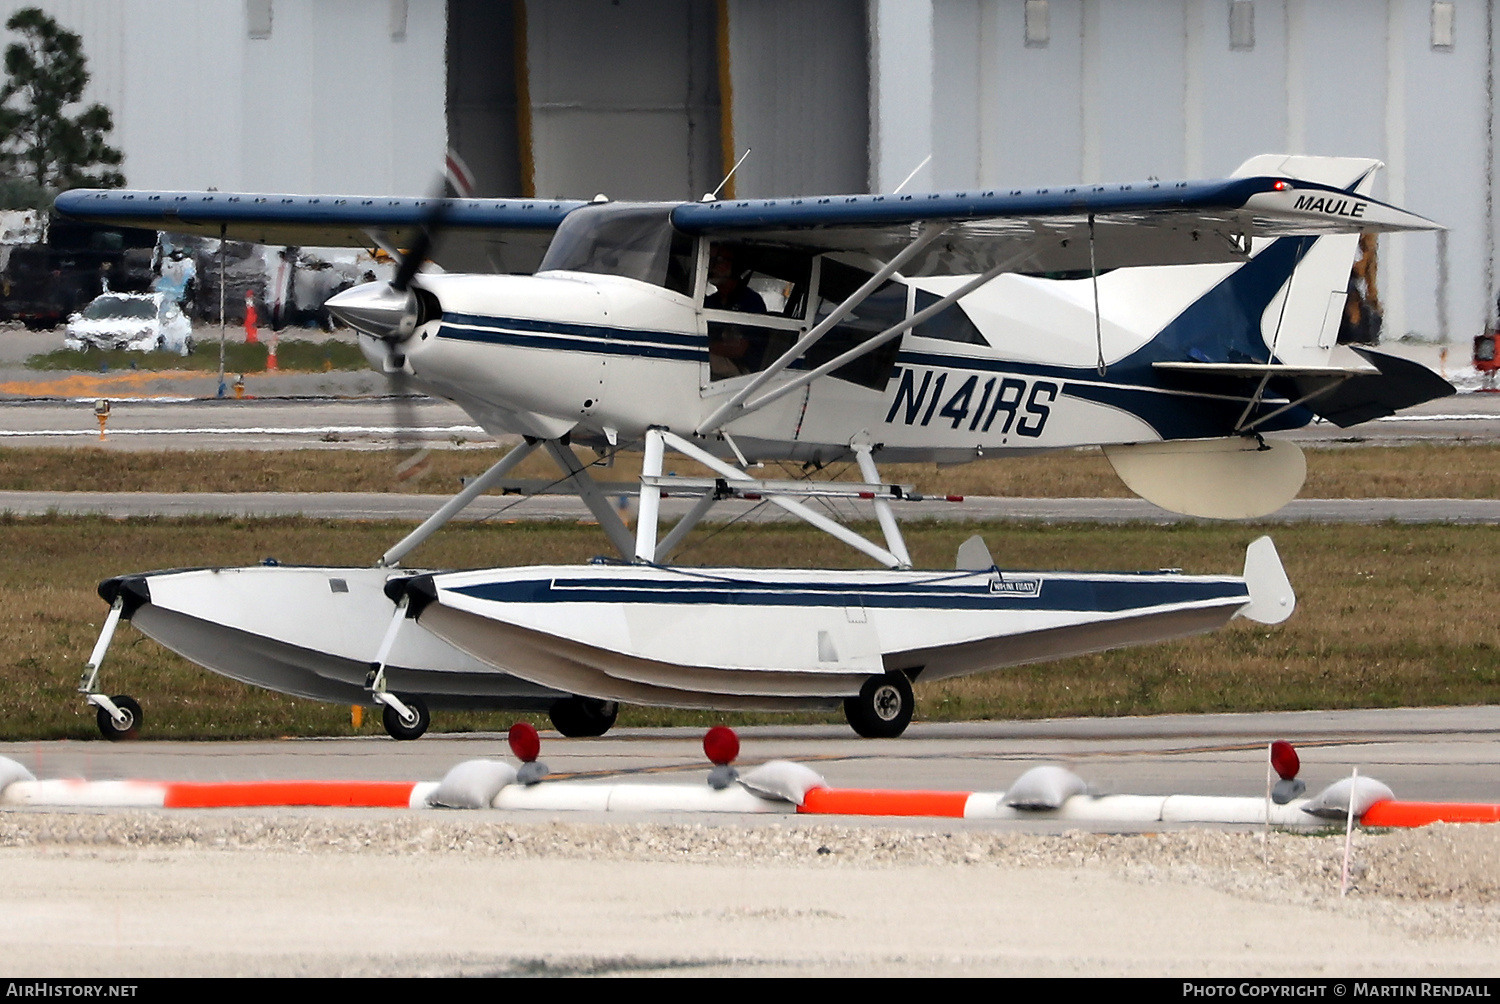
column 140, row 322
column 42, row 283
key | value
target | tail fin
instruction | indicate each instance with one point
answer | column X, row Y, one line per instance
column 1299, row 287
column 1300, row 326
column 1272, row 599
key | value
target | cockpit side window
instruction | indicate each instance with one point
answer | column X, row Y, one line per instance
column 636, row 241
column 881, row 310
column 757, row 279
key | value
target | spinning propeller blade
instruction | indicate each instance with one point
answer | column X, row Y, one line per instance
column 392, row 311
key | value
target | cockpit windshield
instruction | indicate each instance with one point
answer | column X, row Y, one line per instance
column 635, row 240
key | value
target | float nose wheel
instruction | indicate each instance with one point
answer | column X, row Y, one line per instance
column 883, row 707
column 578, row 717
column 127, row 726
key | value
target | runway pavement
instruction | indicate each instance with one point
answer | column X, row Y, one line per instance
column 1423, row 753
column 311, row 418
column 391, row 506
column 249, row 424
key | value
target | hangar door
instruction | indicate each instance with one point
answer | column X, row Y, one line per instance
column 570, row 98
column 624, row 98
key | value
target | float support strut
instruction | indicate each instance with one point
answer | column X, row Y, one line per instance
column 457, row 503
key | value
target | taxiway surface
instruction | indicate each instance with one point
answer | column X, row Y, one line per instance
column 322, row 421
column 394, row 506
column 1427, row 753
column 396, row 892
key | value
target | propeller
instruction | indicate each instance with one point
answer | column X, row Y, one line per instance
column 392, row 311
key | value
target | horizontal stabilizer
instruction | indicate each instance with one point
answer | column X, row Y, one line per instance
column 1363, row 385
column 1258, row 370
column 1400, row 383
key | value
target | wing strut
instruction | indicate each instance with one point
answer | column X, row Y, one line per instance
column 1100, row 365
column 871, row 344
column 929, row 233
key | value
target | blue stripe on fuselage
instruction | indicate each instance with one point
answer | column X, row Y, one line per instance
column 537, row 334
column 1221, row 326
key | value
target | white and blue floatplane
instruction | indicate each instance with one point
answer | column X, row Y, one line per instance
column 1177, row 325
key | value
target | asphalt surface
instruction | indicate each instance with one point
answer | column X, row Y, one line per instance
column 179, row 410
column 378, row 506
column 1423, row 753
column 373, row 420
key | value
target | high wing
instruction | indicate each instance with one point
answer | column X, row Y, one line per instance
column 1057, row 230
column 479, row 235
column 1050, row 229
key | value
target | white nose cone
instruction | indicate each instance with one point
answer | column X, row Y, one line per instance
column 376, row 308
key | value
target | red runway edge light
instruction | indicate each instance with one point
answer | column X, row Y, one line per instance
column 721, row 745
column 524, row 742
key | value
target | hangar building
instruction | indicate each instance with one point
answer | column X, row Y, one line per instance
column 655, row 98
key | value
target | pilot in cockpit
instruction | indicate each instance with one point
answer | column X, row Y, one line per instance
column 730, row 290
column 727, row 344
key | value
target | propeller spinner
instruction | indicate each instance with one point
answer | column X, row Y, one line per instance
column 392, row 311
column 380, row 309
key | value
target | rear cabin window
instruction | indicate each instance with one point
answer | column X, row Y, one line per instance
column 950, row 325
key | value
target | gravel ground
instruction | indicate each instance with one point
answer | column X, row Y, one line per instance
column 1421, row 901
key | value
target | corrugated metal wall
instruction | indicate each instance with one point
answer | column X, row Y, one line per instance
column 334, row 100
column 801, row 95
column 624, row 98
column 1125, row 89
column 833, row 95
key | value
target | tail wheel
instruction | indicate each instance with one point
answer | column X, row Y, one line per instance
column 128, row 729
column 578, row 717
column 883, row 707
column 397, row 727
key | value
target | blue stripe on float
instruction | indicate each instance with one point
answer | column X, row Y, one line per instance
column 1094, row 595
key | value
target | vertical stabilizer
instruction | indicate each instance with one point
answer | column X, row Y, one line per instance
column 1271, row 597
column 1300, row 325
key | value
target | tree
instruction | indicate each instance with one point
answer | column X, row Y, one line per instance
column 42, row 148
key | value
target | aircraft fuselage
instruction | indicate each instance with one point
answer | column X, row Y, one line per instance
column 606, row 357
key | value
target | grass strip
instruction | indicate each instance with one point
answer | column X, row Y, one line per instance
column 1417, row 471
column 1387, row 616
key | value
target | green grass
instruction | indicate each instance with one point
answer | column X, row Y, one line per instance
column 1387, row 616
column 1426, row 470
column 292, row 354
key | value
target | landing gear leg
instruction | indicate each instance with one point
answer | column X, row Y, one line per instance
column 404, row 717
column 119, row 717
column 883, row 707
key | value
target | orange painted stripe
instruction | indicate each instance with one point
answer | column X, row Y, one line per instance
column 1392, row 813
column 234, row 794
column 873, row 802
